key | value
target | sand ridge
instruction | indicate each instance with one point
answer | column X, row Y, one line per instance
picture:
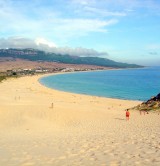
column 75, row 130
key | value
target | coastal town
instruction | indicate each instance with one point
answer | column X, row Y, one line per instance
column 10, row 67
column 41, row 70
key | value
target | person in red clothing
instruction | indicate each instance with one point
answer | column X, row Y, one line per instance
column 127, row 114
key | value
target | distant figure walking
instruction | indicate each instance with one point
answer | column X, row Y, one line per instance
column 52, row 105
column 127, row 114
column 144, row 112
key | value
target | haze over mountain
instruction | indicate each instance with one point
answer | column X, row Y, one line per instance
column 48, row 46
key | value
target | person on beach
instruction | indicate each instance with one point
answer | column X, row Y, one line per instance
column 52, row 105
column 144, row 112
column 127, row 114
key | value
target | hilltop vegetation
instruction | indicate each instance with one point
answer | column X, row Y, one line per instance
column 152, row 104
column 37, row 55
column 2, row 78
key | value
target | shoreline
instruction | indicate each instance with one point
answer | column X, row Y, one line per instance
column 76, row 130
column 46, row 75
column 74, row 93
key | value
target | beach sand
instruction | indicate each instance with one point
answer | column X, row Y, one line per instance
column 74, row 130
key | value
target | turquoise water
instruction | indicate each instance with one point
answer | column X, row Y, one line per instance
column 131, row 84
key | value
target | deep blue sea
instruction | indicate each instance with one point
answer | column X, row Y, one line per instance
column 130, row 84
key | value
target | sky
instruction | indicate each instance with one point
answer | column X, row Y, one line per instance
column 121, row 30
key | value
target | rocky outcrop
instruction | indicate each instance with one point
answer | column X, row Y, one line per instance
column 152, row 104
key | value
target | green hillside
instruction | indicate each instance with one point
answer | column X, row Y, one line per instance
column 37, row 55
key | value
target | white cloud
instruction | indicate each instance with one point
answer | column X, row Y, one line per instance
column 43, row 41
column 80, row 27
column 153, row 46
column 28, row 20
column 16, row 42
column 43, row 44
column 37, row 19
column 83, row 2
column 103, row 12
column 79, row 51
column 116, row 7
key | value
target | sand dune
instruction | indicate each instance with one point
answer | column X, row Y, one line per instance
column 78, row 130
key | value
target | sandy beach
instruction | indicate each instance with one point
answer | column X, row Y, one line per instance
column 76, row 130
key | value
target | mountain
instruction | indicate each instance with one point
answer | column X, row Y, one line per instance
column 37, row 55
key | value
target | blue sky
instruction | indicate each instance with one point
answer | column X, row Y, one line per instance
column 121, row 30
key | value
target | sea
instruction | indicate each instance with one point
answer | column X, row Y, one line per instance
column 130, row 84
